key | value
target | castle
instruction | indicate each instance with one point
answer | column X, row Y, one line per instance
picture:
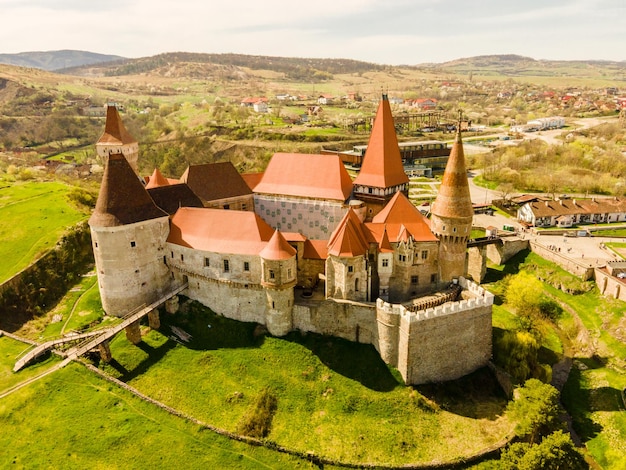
column 301, row 247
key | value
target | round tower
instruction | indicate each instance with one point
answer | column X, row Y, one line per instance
column 117, row 140
column 452, row 214
column 128, row 234
column 278, row 277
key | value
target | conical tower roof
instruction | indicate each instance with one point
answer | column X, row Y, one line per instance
column 277, row 248
column 348, row 239
column 122, row 199
column 114, row 130
column 157, row 180
column 385, row 246
column 453, row 198
column 382, row 163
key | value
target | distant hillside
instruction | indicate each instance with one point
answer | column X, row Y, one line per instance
column 294, row 68
column 55, row 60
column 518, row 66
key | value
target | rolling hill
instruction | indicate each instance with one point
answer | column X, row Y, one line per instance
column 55, row 60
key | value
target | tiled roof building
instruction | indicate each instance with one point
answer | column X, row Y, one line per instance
column 300, row 246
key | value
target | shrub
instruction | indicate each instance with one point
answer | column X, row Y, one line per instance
column 257, row 422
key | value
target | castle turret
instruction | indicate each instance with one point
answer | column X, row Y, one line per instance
column 385, row 265
column 381, row 174
column 346, row 265
column 128, row 233
column 278, row 277
column 452, row 214
column 116, row 139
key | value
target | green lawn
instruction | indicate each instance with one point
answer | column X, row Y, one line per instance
column 335, row 398
column 9, row 352
column 73, row 419
column 79, row 309
column 35, row 215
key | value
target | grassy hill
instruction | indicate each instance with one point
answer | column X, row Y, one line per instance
column 35, row 215
column 55, row 60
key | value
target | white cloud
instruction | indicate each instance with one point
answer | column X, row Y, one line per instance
column 396, row 31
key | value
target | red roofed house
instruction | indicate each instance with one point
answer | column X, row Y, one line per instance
column 304, row 249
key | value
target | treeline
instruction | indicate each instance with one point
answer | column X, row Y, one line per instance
column 58, row 125
column 294, row 68
column 38, row 288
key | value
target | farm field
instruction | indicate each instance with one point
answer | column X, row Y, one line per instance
column 38, row 214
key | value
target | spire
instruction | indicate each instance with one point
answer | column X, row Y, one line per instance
column 114, row 130
column 453, row 198
column 122, row 199
column 385, row 246
column 157, row 179
column 277, row 248
column 382, row 164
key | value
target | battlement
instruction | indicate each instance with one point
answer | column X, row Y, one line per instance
column 482, row 298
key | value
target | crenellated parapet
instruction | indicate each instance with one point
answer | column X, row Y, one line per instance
column 438, row 343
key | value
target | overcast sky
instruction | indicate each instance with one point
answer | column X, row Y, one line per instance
column 381, row 31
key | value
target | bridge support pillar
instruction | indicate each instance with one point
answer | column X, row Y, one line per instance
column 105, row 351
column 171, row 305
column 477, row 262
column 133, row 333
column 153, row 319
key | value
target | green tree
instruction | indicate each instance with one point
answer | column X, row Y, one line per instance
column 536, row 409
column 556, row 451
column 525, row 293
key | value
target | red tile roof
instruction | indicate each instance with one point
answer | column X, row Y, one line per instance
column 220, row 231
column 453, row 198
column 400, row 214
column 213, row 181
column 384, row 246
column 157, row 179
column 122, row 199
column 382, row 163
column 306, row 175
column 114, row 130
column 278, row 248
column 252, row 179
column 315, row 249
column 348, row 239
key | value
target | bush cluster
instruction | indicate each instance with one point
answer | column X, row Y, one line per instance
column 257, row 422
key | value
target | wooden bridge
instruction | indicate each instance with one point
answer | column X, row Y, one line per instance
column 93, row 338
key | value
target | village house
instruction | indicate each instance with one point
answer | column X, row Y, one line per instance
column 569, row 212
column 325, row 99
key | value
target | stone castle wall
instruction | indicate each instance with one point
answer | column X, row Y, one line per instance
column 500, row 254
column 436, row 344
column 610, row 286
column 583, row 270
